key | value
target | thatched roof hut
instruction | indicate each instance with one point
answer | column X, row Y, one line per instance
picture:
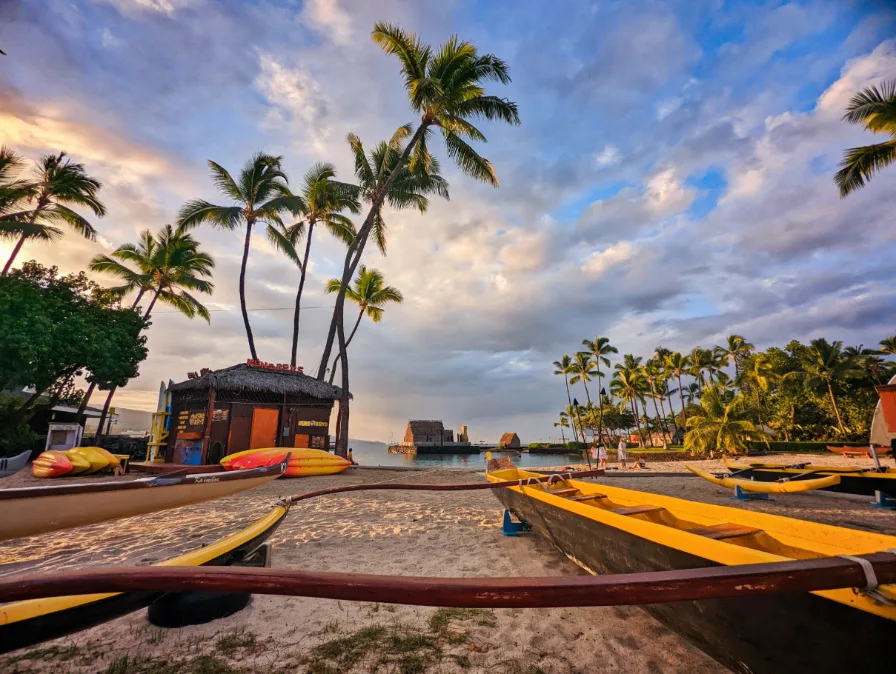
column 253, row 380
column 432, row 432
column 510, row 440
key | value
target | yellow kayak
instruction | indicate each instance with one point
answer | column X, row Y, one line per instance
column 302, row 462
column 789, row 487
column 94, row 456
column 79, row 463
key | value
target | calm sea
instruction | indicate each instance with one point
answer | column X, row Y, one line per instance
column 377, row 454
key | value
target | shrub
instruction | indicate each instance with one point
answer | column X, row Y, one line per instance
column 799, row 447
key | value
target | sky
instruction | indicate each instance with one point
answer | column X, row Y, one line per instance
column 670, row 184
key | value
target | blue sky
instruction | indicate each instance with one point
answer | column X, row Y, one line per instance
column 670, row 183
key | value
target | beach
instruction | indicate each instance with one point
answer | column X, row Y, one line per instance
column 383, row 532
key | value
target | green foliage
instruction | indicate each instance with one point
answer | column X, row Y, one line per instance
column 721, row 426
column 874, row 108
column 575, row 445
column 16, row 435
column 800, row 447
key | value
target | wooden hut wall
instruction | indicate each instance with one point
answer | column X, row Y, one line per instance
column 187, row 428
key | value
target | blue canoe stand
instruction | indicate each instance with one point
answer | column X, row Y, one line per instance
column 511, row 528
column 741, row 495
column 881, row 500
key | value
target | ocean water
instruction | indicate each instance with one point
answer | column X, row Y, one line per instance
column 376, row 454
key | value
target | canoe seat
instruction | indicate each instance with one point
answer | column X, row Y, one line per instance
column 637, row 510
column 587, row 497
column 725, row 530
column 564, row 492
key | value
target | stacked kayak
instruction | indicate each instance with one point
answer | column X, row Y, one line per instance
column 77, row 461
column 302, row 462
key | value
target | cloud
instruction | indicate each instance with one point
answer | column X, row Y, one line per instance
column 135, row 7
column 328, row 18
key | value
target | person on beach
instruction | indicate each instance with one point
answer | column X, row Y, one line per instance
column 351, row 458
column 602, row 456
column 620, row 452
column 594, row 454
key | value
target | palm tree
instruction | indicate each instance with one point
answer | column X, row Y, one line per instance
column 888, row 346
column 867, row 359
column 169, row 267
column 320, row 199
column 629, row 386
column 735, row 350
column 676, row 365
column 600, row 349
column 693, row 393
column 445, row 88
column 701, row 360
column 722, row 426
column 260, row 194
column 758, row 375
column 583, row 369
column 13, row 192
column 823, row 364
column 58, row 181
column 371, row 295
column 565, row 367
column 563, row 423
column 653, row 372
column 875, row 109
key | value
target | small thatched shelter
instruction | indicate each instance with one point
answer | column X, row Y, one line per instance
column 427, row 433
column 247, row 406
column 509, row 441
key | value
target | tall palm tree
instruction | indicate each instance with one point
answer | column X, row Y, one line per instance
column 653, row 373
column 260, row 194
column 58, row 183
column 14, row 192
column 867, row 359
column 734, row 351
column 758, row 375
column 600, row 348
column 371, row 294
column 583, row 370
column 692, row 392
column 722, row 426
column 565, row 367
column 822, row 366
column 888, row 346
column 676, row 365
column 629, row 386
column 321, row 198
column 445, row 88
column 563, row 423
column 169, row 267
column 875, row 109
column 702, row 360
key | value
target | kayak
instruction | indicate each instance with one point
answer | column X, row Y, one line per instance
column 28, row 511
column 51, row 464
column 29, row 622
column 302, row 462
column 788, row 487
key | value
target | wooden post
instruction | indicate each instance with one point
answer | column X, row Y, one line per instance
column 208, row 423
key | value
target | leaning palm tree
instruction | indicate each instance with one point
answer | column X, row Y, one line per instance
column 166, row 267
column 875, row 109
column 259, row 194
column 445, row 88
column 565, row 367
column 371, row 295
column 58, row 183
column 600, row 348
column 321, row 198
column 583, row 370
column 722, row 425
column 822, row 366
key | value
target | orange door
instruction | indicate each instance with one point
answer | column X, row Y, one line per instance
column 301, row 441
column 264, row 428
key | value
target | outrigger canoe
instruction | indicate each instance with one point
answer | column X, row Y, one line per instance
column 858, row 451
column 853, row 480
column 781, row 487
column 609, row 530
column 28, row 511
column 302, row 462
column 29, row 622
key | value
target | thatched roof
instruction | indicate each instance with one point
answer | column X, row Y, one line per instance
column 509, row 440
column 419, row 428
column 257, row 380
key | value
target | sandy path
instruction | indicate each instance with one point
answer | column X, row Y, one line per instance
column 420, row 533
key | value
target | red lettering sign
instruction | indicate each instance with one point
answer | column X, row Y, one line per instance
column 278, row 367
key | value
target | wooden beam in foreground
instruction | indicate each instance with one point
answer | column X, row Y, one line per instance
column 826, row 573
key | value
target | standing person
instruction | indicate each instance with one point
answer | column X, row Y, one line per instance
column 602, row 456
column 595, row 455
column 620, row 452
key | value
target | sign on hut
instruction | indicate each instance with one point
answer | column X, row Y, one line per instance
column 509, row 441
column 247, row 406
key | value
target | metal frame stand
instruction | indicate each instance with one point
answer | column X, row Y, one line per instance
column 741, row 495
column 511, row 528
column 881, row 500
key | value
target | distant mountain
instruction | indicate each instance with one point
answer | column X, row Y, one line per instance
column 133, row 421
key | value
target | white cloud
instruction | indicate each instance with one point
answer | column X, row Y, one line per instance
column 131, row 7
column 609, row 155
column 109, row 40
column 666, row 195
column 599, row 263
column 328, row 18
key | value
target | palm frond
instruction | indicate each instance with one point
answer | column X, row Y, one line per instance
column 195, row 212
column 469, row 161
column 62, row 214
column 225, row 182
column 874, row 107
column 14, row 229
column 492, row 108
column 283, row 242
column 860, row 164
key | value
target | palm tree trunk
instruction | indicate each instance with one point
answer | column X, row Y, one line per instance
column 658, row 416
column 634, row 407
column 342, row 440
column 588, row 398
column 252, row 351
column 353, row 254
column 83, row 406
column 836, row 409
column 600, row 407
column 347, row 342
column 562, row 434
column 295, row 319
column 647, row 424
column 41, row 203
column 684, row 416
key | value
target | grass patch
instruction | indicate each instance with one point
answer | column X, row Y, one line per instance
column 203, row 664
column 399, row 647
column 237, row 640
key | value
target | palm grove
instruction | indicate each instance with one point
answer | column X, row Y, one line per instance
column 445, row 88
column 726, row 396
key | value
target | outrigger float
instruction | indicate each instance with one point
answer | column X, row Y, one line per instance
column 780, row 487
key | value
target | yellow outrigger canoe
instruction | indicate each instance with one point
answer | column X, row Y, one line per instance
column 784, row 487
column 853, row 480
column 608, row 529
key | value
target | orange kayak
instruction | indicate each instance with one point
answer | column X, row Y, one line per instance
column 51, row 464
column 302, row 462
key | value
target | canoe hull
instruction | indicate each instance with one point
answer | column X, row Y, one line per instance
column 80, row 616
column 32, row 511
column 850, row 483
column 764, row 635
column 9, row 465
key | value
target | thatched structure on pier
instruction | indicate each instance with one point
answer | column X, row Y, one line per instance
column 509, row 441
